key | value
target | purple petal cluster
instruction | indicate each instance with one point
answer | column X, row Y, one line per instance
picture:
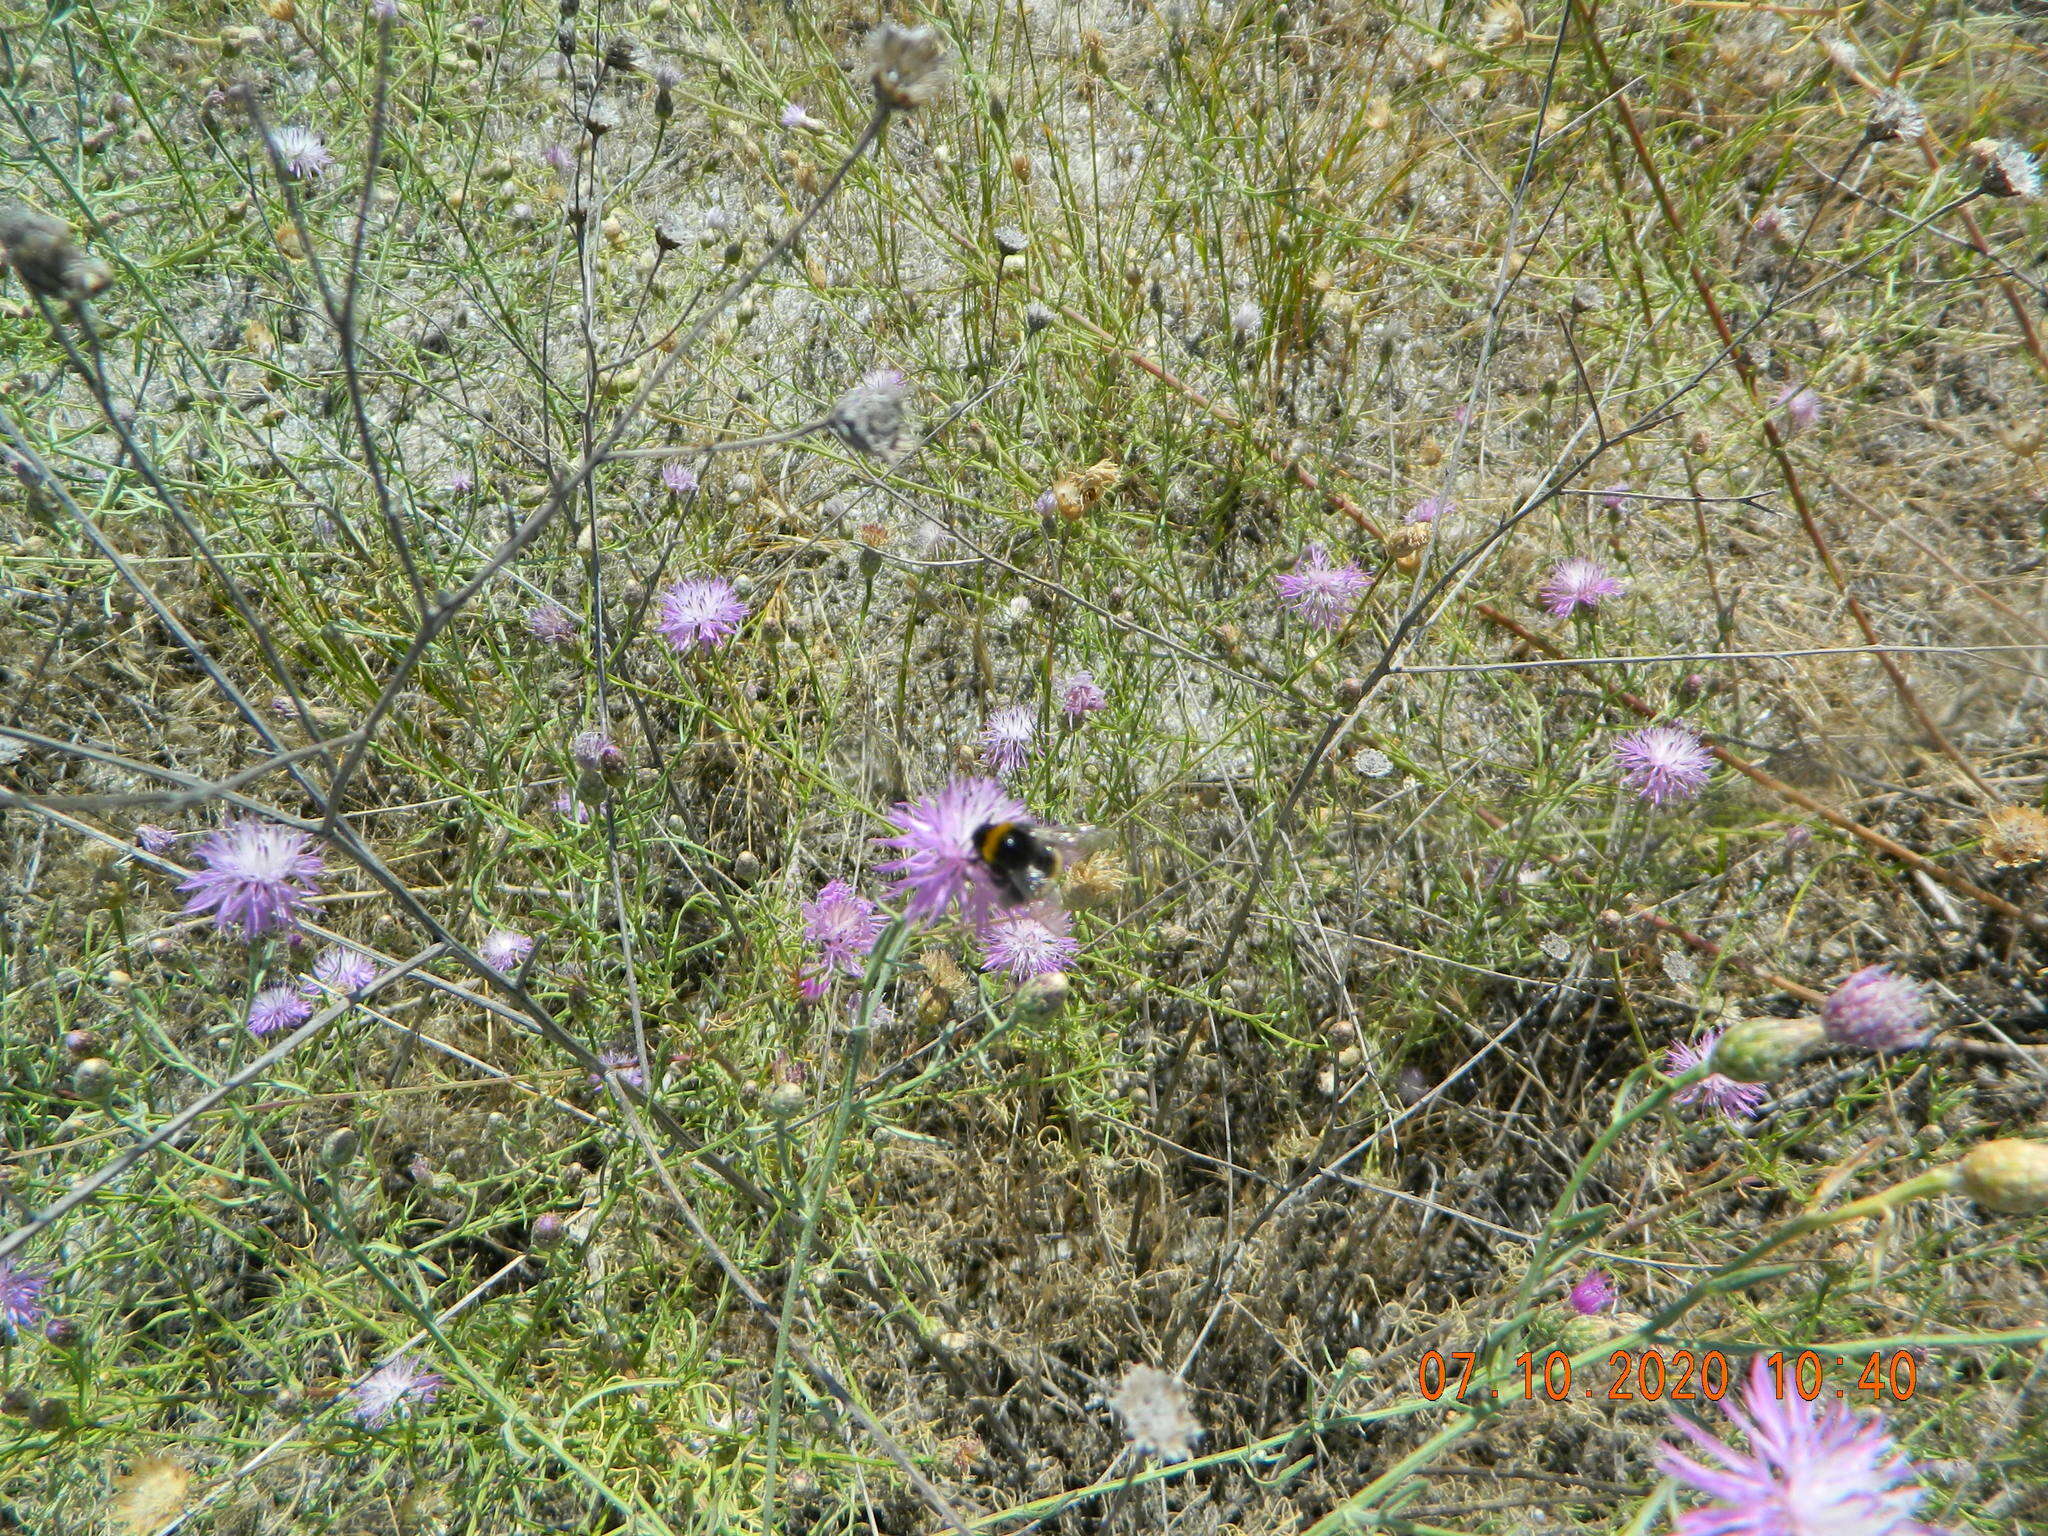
column 1080, row 697
column 1800, row 407
column 1663, row 763
column 278, row 1008
column 1007, row 737
column 678, row 477
column 21, row 1294
column 1876, row 1010
column 1029, row 941
column 1594, row 1293
column 1320, row 593
column 256, row 876
column 844, row 925
column 302, row 152
column 622, row 1060
column 401, row 1386
column 938, row 867
column 1809, row 1470
column 1575, row 584
column 503, row 949
column 1738, row 1101
column 552, row 623
column 1429, row 509
column 699, row 613
column 151, row 838
column 339, row 970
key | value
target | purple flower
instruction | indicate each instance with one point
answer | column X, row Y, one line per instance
column 257, row 876
column 794, row 116
column 678, row 477
column 620, row 1059
column 151, row 838
column 302, row 152
column 1007, row 736
column 1738, row 1101
column 504, row 948
column 595, row 752
column 1429, row 509
column 551, row 622
column 276, row 1008
column 700, row 613
column 400, row 1385
column 1615, row 497
column 1319, row 592
column 1594, row 1293
column 1801, row 407
column 1663, row 763
column 1029, row 941
column 1876, row 1010
column 844, row 925
column 939, row 865
column 570, row 809
column 384, row 10
column 1809, row 1471
column 1046, row 504
column 1079, row 696
column 21, row 1294
column 558, row 159
column 1574, row 584
column 339, row 970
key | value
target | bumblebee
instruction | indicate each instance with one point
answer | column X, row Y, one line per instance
column 1022, row 859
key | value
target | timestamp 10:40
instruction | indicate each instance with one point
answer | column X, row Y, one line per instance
column 1653, row 1375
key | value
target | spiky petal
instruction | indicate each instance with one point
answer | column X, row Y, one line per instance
column 1738, row 1101
column 400, row 1386
column 256, row 876
column 1575, row 584
column 700, row 613
column 844, row 925
column 1029, row 941
column 1319, row 592
column 1663, row 763
column 938, row 867
column 1876, row 1010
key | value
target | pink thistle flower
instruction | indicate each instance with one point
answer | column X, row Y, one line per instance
column 552, row 623
column 1429, row 509
column 1800, row 407
column 1615, row 497
column 1080, row 697
column 844, row 925
column 401, row 1386
column 1809, row 1471
column 151, row 838
column 620, row 1059
column 21, row 1294
column 461, row 483
column 595, row 752
column 1738, row 1101
column 384, row 10
column 794, row 116
column 1876, row 1010
column 339, row 970
column 257, row 876
column 1029, row 941
column 1046, row 504
column 812, row 985
column 700, row 613
column 276, row 1008
column 1575, row 584
column 1319, row 592
column 1007, row 737
column 1663, row 763
column 940, row 864
column 558, row 159
column 571, row 810
column 1594, row 1293
column 503, row 949
column 302, row 152
column 678, row 477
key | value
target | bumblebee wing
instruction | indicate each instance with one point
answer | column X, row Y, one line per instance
column 1073, row 843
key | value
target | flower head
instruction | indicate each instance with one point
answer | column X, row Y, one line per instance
column 552, row 623
column 1246, row 319
column 558, row 159
column 1576, row 584
column 939, row 865
column 1154, row 1408
column 1429, row 509
column 461, row 482
column 257, row 876
column 276, row 1008
column 904, row 64
column 844, row 925
column 1007, row 736
column 1079, row 696
column 2009, row 171
column 1809, row 1471
column 339, row 970
column 595, row 752
column 384, row 10
column 503, row 949
column 1663, row 763
column 302, row 152
column 1615, row 497
column 622, row 1060
column 151, row 838
column 1800, row 406
column 1876, row 1010
column 21, row 1294
column 1894, row 115
column 700, row 613
column 1029, row 941
column 678, row 477
column 1738, row 1101
column 1594, row 1293
column 794, row 116
column 570, row 809
column 872, row 417
column 1319, row 592
column 401, row 1385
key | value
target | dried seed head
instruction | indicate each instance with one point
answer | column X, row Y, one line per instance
column 601, row 118
column 671, row 230
column 625, row 54
column 1894, row 115
column 872, row 417
column 40, row 249
column 1154, row 1408
column 1405, row 540
column 904, row 64
column 2014, row 835
column 2009, row 171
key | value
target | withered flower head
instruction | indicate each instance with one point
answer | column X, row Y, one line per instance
column 40, row 249
column 903, row 63
column 2014, row 835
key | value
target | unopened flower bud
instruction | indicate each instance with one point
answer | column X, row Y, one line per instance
column 547, row 1230
column 339, row 1146
column 784, row 1100
column 80, row 1043
column 2008, row 1175
column 49, row 1413
column 93, row 1078
column 1042, row 997
column 1764, row 1050
column 64, row 1332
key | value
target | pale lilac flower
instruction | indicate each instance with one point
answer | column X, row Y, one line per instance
column 844, row 925
column 678, row 477
column 1047, row 503
column 1029, row 941
column 1615, row 497
column 1876, row 1010
column 936, row 835
column 700, row 613
column 1575, row 584
column 1663, row 763
column 2009, row 171
column 339, row 970
column 21, row 1294
column 504, row 948
column 1809, row 1470
column 570, row 809
column 1154, row 1408
column 813, row 984
column 302, row 152
column 794, row 116
column 401, row 1385
column 276, row 1008
column 384, row 10
column 558, row 159
column 552, row 623
column 622, row 1060
column 461, row 482
column 1246, row 319
column 1594, row 1293
column 151, row 838
column 1429, row 509
column 1080, row 697
column 595, row 752
column 1319, row 592
column 1738, row 1101
column 1800, row 406
column 257, row 876
column 1007, row 736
